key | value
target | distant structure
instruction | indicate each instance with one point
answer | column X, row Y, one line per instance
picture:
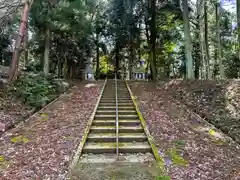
column 139, row 72
column 88, row 71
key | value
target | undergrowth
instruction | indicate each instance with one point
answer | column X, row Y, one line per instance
column 35, row 90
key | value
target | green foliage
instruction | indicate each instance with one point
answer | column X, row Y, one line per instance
column 232, row 67
column 118, row 24
column 105, row 65
column 5, row 54
column 35, row 90
column 72, row 42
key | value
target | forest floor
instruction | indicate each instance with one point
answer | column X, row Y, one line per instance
column 216, row 101
column 42, row 147
column 192, row 148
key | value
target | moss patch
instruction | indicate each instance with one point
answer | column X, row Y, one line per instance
column 19, row 139
column 4, row 163
column 176, row 158
column 106, row 144
column 121, row 144
column 44, row 116
column 163, row 178
column 220, row 142
column 179, row 143
column 2, row 159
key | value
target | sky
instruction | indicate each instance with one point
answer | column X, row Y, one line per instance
column 229, row 5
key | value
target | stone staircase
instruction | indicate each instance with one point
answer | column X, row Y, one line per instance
column 104, row 138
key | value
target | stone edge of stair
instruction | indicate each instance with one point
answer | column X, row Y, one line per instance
column 79, row 149
column 158, row 158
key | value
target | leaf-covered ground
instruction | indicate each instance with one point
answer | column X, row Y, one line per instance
column 191, row 147
column 42, row 147
column 11, row 110
column 216, row 101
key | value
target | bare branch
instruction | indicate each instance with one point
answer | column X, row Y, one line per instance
column 7, row 9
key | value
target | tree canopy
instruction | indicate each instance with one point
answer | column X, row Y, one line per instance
column 192, row 39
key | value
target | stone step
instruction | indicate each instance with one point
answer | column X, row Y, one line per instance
column 111, row 108
column 100, row 116
column 103, row 129
column 113, row 94
column 114, row 104
column 101, row 137
column 122, row 137
column 121, row 129
column 120, row 96
column 114, row 100
column 113, row 122
column 125, row 160
column 106, row 147
column 114, row 91
column 130, row 129
column 120, row 112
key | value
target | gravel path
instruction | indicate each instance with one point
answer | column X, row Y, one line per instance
column 192, row 148
column 42, row 147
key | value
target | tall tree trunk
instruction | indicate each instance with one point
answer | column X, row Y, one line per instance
column 130, row 67
column 238, row 24
column 16, row 53
column 117, row 51
column 46, row 52
column 188, row 44
column 26, row 46
column 201, row 37
column 139, row 41
column 65, row 66
column 153, row 39
column 206, row 40
column 197, row 67
column 59, row 67
column 218, row 47
column 198, row 36
column 149, row 43
column 97, row 58
column 131, row 41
